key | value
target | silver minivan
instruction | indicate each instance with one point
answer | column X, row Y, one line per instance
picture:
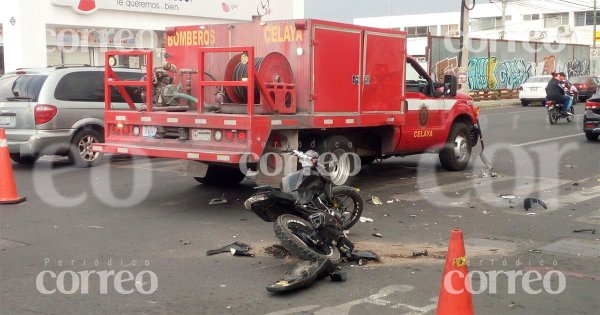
column 56, row 111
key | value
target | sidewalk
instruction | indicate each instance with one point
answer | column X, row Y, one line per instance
column 498, row 103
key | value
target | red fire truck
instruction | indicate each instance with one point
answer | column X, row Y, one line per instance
column 228, row 94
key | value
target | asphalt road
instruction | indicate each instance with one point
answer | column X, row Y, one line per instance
column 139, row 215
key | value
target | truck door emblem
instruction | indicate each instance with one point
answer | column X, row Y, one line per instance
column 423, row 115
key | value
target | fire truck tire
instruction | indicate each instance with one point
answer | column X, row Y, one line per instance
column 294, row 235
column 80, row 151
column 219, row 175
column 456, row 154
column 343, row 150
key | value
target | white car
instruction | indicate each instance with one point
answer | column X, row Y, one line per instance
column 534, row 90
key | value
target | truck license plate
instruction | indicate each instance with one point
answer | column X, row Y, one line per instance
column 533, row 89
column 201, row 134
column 149, row 131
column 5, row 120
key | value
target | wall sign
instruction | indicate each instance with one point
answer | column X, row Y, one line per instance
column 223, row 9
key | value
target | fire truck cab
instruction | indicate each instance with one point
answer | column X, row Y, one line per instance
column 230, row 94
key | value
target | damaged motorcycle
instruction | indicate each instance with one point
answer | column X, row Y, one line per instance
column 310, row 215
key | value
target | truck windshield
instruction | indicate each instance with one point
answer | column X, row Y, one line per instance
column 14, row 88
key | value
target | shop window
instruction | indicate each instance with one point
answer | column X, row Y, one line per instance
column 417, row 31
column 449, row 30
column 531, row 17
column 586, row 18
column 556, row 19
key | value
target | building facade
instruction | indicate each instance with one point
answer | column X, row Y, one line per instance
column 39, row 33
column 551, row 21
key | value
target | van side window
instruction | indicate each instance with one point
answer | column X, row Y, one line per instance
column 88, row 86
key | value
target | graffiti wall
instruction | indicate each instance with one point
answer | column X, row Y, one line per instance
column 495, row 64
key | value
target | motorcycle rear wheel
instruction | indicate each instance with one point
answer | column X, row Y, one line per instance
column 553, row 116
column 293, row 233
column 347, row 199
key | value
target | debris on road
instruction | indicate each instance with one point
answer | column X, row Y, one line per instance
column 278, row 251
column 585, row 230
column 95, row 227
column 423, row 253
column 531, row 213
column 508, row 196
column 238, row 246
column 377, row 235
column 390, row 201
column 365, row 219
column 236, row 252
column 512, row 305
column 529, row 202
column 218, row 201
column 575, row 184
column 337, row 276
column 537, row 251
column 304, row 274
column 188, row 242
column 357, row 255
column 375, row 200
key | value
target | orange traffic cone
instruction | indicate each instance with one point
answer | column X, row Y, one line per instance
column 455, row 297
column 8, row 190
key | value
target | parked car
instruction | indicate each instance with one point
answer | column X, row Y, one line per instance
column 591, row 119
column 586, row 85
column 534, row 90
column 56, row 111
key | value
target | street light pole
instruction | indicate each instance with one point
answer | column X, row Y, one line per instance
column 503, row 31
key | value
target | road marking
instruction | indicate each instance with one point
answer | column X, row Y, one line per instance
column 546, row 140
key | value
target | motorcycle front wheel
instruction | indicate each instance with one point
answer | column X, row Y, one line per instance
column 346, row 199
column 295, row 235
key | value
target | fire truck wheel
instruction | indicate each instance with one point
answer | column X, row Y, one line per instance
column 80, row 152
column 341, row 161
column 219, row 175
column 456, row 154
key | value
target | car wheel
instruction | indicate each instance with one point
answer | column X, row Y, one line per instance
column 456, row 153
column 524, row 102
column 23, row 159
column 591, row 136
column 80, row 151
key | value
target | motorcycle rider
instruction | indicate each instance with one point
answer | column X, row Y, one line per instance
column 555, row 92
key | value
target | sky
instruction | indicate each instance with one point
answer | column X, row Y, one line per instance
column 346, row 10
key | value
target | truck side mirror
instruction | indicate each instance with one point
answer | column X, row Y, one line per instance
column 450, row 85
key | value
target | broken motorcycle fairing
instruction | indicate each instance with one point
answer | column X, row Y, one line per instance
column 304, row 274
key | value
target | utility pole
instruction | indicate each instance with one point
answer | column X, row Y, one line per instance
column 463, row 56
column 503, row 32
column 595, row 15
